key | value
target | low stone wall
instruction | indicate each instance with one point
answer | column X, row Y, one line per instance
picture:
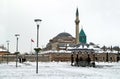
column 51, row 56
column 32, row 58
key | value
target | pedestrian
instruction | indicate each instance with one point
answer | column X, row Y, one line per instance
column 77, row 60
column 72, row 60
column 88, row 60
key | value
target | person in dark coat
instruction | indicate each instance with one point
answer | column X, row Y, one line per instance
column 117, row 58
column 80, row 59
column 72, row 60
column 76, row 60
column 88, row 60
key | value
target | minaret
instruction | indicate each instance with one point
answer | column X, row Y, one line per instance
column 77, row 27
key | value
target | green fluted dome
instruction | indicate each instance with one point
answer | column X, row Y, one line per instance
column 82, row 36
column 82, row 33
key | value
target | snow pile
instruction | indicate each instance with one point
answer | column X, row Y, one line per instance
column 59, row 70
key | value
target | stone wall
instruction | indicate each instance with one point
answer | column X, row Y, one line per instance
column 99, row 57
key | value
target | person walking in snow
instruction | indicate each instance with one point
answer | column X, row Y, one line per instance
column 88, row 60
column 72, row 60
column 76, row 60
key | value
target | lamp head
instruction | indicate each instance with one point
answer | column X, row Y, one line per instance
column 17, row 35
column 7, row 41
column 37, row 21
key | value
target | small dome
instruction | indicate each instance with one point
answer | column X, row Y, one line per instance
column 63, row 34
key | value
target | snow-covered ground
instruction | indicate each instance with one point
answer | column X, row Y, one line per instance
column 59, row 70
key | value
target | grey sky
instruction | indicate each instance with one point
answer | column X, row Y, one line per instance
column 99, row 18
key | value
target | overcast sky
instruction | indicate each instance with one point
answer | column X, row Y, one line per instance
column 100, row 20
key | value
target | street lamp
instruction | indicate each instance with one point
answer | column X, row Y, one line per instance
column 7, row 49
column 16, row 35
column 37, row 49
column 8, row 45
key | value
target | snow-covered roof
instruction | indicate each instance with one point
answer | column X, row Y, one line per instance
column 55, row 51
column 2, row 49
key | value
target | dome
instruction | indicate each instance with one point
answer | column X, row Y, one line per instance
column 63, row 34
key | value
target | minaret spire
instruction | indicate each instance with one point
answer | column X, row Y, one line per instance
column 77, row 26
column 77, row 13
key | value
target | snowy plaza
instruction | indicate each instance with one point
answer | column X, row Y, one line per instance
column 59, row 39
column 59, row 70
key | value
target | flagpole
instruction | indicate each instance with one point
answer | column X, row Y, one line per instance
column 32, row 41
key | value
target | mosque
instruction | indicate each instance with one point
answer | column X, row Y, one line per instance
column 76, row 45
column 64, row 39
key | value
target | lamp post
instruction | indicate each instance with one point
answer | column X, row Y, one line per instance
column 37, row 49
column 7, row 49
column 16, row 35
column 8, row 45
